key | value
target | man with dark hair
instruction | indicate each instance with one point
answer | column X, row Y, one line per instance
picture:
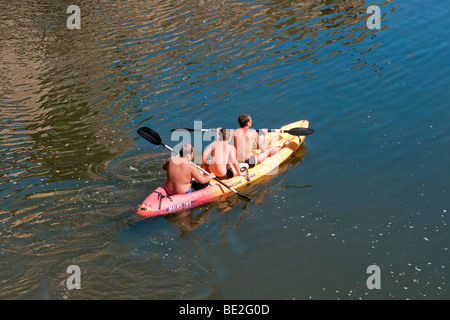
column 247, row 140
column 223, row 162
column 181, row 172
column 244, row 119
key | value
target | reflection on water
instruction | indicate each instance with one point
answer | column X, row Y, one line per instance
column 73, row 170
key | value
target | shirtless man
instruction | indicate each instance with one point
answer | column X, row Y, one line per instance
column 223, row 157
column 180, row 172
column 246, row 140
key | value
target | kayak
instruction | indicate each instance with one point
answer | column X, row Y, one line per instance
column 159, row 202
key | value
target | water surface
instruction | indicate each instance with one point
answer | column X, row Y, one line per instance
column 369, row 187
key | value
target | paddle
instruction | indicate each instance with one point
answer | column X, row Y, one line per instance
column 293, row 131
column 154, row 138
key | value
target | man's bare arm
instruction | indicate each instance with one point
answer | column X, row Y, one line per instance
column 197, row 175
column 262, row 143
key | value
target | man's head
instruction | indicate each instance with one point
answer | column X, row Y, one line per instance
column 245, row 120
column 224, row 134
column 187, row 151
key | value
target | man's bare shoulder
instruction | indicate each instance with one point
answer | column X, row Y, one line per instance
column 237, row 131
column 241, row 131
column 252, row 134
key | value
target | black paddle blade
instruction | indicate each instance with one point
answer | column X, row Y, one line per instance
column 149, row 135
column 300, row 131
column 244, row 196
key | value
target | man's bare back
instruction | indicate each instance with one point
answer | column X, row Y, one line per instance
column 223, row 156
column 180, row 172
column 247, row 140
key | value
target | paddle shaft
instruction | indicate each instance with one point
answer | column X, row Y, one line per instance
column 293, row 131
column 214, row 130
